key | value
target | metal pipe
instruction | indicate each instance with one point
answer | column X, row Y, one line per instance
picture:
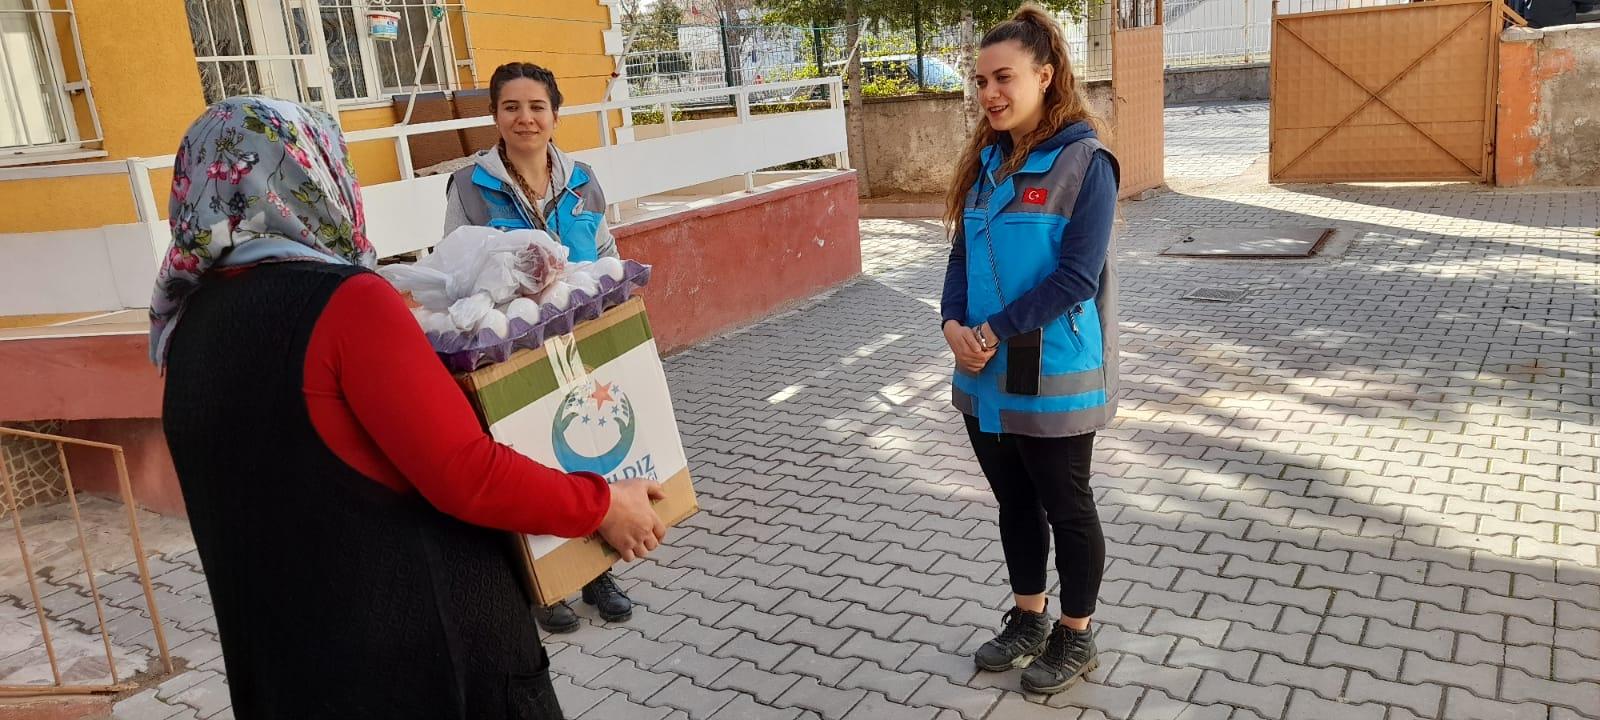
column 422, row 60
column 138, row 555
column 88, row 564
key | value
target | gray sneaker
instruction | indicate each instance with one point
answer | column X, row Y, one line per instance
column 1070, row 655
column 1023, row 637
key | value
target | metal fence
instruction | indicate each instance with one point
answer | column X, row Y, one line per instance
column 894, row 62
column 1199, row 33
column 1212, row 33
column 74, row 680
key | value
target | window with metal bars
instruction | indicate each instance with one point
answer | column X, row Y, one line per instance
column 273, row 47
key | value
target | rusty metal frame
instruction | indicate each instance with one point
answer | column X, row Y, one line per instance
column 126, row 488
column 1120, row 101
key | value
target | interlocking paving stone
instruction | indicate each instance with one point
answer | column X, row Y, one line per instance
column 1367, row 489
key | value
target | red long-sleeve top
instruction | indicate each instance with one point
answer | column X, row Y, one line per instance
column 381, row 400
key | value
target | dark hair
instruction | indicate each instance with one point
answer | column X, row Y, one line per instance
column 512, row 71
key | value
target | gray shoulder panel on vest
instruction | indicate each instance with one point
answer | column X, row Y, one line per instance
column 593, row 197
column 1063, row 181
column 472, row 202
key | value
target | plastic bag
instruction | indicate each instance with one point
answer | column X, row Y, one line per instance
column 541, row 262
column 463, row 263
column 468, row 312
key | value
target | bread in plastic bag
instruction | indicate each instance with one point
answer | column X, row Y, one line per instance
column 541, row 263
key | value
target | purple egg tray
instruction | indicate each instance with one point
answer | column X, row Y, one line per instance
column 463, row 352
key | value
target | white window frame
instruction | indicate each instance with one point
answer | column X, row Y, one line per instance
column 43, row 15
column 269, row 25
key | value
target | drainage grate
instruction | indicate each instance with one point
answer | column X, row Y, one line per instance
column 1216, row 294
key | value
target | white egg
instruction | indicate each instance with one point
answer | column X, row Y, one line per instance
column 584, row 282
column 608, row 267
column 439, row 323
column 558, row 295
column 524, row 309
column 496, row 322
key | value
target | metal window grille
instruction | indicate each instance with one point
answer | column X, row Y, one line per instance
column 282, row 47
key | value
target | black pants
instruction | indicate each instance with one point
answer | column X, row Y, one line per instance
column 1042, row 485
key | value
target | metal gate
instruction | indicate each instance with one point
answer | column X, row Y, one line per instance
column 1389, row 93
column 1138, row 83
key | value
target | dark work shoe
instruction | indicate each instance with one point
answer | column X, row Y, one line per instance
column 558, row 618
column 605, row 596
column 1069, row 656
column 1022, row 638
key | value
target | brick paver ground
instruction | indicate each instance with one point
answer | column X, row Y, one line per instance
column 1367, row 490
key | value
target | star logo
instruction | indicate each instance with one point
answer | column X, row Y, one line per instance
column 601, row 395
column 1035, row 196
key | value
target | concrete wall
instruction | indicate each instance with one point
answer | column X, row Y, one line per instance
column 1219, row 84
column 734, row 262
column 1547, row 133
column 912, row 142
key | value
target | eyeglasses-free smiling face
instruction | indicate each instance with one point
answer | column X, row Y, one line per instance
column 525, row 115
column 1011, row 87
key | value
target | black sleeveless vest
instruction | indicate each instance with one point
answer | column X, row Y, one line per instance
column 335, row 597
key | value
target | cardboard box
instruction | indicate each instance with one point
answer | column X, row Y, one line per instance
column 594, row 401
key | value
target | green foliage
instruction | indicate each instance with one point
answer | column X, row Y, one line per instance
column 660, row 28
column 888, row 86
column 900, row 14
column 652, row 116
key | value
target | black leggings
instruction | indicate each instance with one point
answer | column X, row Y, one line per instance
column 1042, row 485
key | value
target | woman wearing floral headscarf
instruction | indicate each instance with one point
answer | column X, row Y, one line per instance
column 348, row 508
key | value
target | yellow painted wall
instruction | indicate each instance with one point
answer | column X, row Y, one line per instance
column 147, row 89
column 375, row 160
column 565, row 36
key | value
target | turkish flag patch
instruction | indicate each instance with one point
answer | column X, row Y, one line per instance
column 1035, row 196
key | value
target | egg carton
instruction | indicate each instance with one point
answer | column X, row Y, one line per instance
column 465, row 352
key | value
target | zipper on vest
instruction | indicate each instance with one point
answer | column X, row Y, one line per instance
column 1072, row 324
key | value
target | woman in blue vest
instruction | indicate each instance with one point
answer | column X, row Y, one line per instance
column 1030, row 313
column 525, row 182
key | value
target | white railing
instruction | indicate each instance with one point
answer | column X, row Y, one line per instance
column 113, row 266
column 1202, row 33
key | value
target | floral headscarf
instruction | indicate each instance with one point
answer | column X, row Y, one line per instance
column 262, row 179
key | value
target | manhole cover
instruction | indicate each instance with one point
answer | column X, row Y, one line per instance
column 1213, row 294
column 1250, row 242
